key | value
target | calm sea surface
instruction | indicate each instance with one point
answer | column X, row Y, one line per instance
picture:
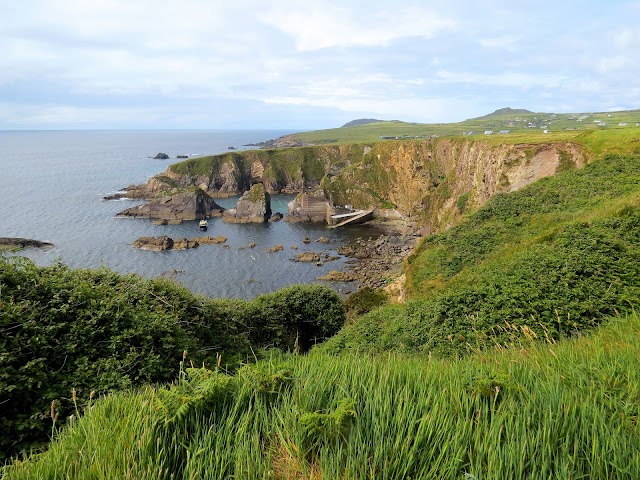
column 51, row 189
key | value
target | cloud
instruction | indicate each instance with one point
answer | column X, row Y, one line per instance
column 221, row 62
column 323, row 25
column 503, row 42
column 519, row 80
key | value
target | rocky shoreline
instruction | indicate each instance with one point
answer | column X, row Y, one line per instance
column 378, row 262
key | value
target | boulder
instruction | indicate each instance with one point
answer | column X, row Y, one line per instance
column 161, row 156
column 253, row 207
column 156, row 244
column 275, row 248
column 184, row 244
column 338, row 276
column 210, row 240
column 307, row 257
column 194, row 204
column 323, row 240
column 276, row 217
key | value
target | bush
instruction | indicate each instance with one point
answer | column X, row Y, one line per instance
column 365, row 300
column 97, row 331
column 296, row 318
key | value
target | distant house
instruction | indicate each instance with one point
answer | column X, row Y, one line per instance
column 545, row 131
column 622, row 124
column 504, row 132
column 488, row 132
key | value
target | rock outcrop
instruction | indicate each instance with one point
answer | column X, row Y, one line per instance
column 23, row 243
column 307, row 257
column 434, row 181
column 190, row 205
column 155, row 244
column 161, row 156
column 253, row 207
column 162, row 243
column 338, row 276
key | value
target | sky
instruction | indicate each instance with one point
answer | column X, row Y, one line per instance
column 302, row 65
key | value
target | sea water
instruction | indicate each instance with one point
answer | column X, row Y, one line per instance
column 51, row 189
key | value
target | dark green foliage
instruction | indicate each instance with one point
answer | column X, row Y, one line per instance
column 461, row 203
column 98, row 331
column 365, row 300
column 295, row 318
column 322, row 429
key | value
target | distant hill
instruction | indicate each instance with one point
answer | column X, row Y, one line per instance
column 506, row 111
column 360, row 121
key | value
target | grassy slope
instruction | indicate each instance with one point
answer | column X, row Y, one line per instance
column 566, row 410
column 552, row 258
column 517, row 124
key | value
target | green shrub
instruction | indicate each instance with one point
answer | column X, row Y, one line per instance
column 364, row 300
column 96, row 331
column 295, row 318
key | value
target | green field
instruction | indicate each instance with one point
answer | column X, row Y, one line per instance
column 522, row 126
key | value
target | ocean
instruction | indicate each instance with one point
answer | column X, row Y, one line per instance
column 51, row 189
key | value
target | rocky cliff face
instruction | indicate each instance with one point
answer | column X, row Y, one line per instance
column 438, row 180
column 433, row 180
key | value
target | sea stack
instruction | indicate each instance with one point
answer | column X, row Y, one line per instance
column 253, row 207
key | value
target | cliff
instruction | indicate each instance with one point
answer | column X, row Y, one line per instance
column 433, row 181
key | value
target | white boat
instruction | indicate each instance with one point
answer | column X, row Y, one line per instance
column 203, row 225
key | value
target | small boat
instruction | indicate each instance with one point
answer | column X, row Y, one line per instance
column 203, row 225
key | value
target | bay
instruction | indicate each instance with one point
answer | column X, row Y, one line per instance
column 51, row 189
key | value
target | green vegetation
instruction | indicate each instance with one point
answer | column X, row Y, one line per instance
column 364, row 300
column 97, row 331
column 554, row 258
column 523, row 126
column 544, row 411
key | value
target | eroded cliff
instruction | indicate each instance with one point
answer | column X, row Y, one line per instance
column 433, row 181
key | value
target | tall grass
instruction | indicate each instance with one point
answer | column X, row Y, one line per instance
column 567, row 410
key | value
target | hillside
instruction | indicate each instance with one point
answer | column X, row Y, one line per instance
column 361, row 121
column 527, row 124
column 542, row 411
column 552, row 259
